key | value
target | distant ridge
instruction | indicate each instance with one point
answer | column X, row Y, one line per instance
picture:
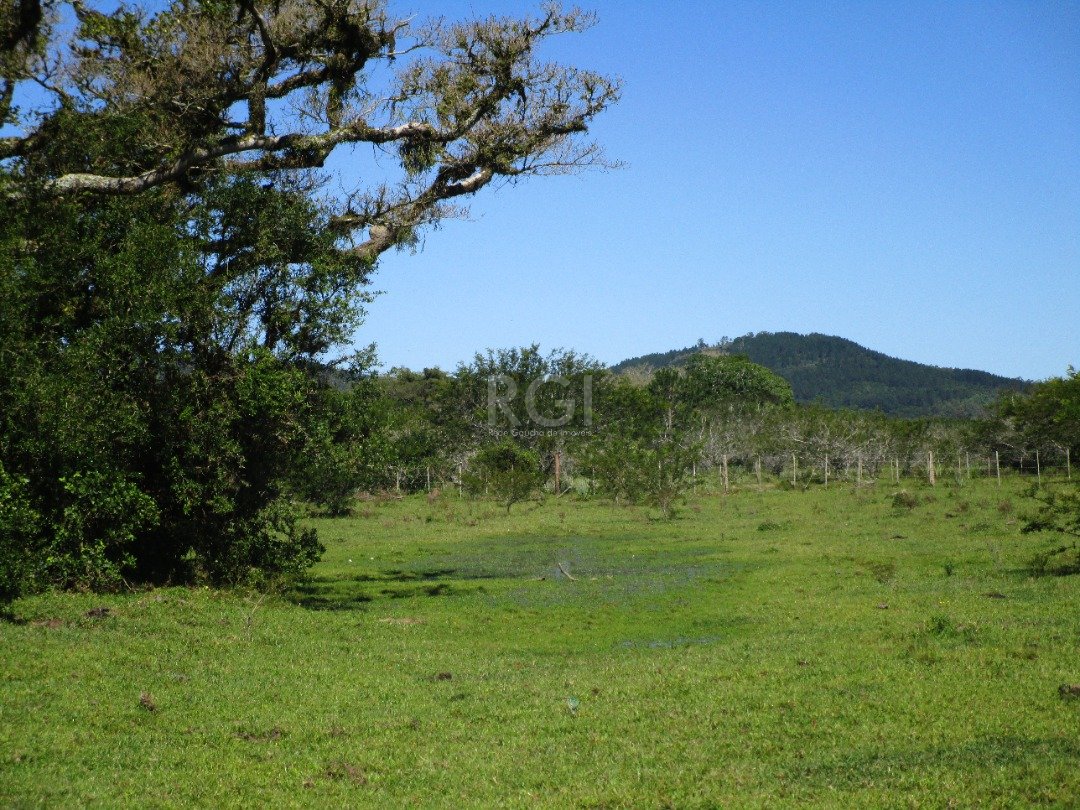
column 842, row 374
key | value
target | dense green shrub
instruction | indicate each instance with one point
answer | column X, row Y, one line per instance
column 904, row 500
column 505, row 471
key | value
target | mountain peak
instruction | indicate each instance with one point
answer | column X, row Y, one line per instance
column 840, row 373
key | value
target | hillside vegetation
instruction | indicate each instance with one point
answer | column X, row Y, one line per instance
column 840, row 373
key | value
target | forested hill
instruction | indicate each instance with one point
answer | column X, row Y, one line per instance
column 841, row 373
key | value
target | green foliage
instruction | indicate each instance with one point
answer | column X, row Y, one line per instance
column 348, row 447
column 1058, row 513
column 20, row 560
column 904, row 500
column 174, row 281
column 432, row 428
column 157, row 394
column 506, row 471
column 654, row 473
column 103, row 515
column 841, row 374
column 732, row 382
column 1048, row 415
column 540, row 399
column 640, row 451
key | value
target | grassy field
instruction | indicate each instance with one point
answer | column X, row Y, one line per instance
column 766, row 648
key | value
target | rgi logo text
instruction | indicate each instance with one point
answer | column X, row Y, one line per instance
column 550, row 402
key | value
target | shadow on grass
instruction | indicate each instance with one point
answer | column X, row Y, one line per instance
column 324, row 593
column 325, row 599
column 970, row 757
column 401, row 575
column 7, row 617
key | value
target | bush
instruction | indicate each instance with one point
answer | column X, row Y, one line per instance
column 19, row 560
column 1059, row 512
column 347, row 449
column 904, row 500
column 505, row 470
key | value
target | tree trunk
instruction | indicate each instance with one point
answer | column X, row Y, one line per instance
column 997, row 466
column 826, row 471
column 558, row 459
column 1038, row 469
column 724, row 470
column 930, row 468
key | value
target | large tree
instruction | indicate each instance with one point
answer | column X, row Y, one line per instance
column 176, row 268
column 216, row 86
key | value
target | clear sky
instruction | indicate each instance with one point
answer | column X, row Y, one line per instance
column 906, row 175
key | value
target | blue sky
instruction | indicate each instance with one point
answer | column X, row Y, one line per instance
column 906, row 175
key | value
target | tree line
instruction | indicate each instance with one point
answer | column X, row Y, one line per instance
column 719, row 416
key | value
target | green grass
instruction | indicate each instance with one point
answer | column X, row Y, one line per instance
column 777, row 648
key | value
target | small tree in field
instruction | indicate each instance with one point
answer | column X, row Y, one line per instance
column 640, row 452
column 1050, row 414
column 1059, row 512
column 506, row 471
column 663, row 473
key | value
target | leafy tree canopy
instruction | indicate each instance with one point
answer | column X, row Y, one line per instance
column 176, row 271
column 1049, row 413
column 732, row 381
